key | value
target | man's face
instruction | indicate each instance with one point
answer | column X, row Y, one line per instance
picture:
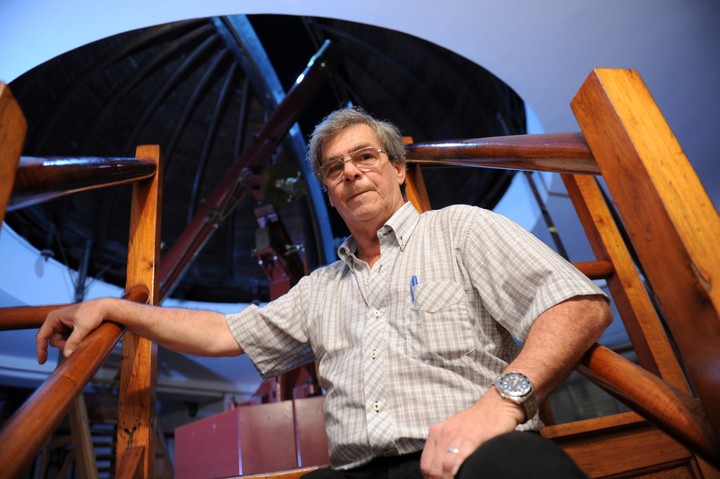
column 363, row 198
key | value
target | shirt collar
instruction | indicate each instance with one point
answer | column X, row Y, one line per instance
column 402, row 224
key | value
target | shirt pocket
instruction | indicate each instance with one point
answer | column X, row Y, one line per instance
column 438, row 329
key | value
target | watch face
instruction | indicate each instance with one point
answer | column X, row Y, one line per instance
column 514, row 384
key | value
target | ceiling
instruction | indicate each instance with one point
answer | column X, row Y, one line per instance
column 203, row 89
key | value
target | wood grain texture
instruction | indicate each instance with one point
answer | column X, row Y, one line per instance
column 13, row 128
column 628, row 448
column 629, row 294
column 674, row 411
column 558, row 152
column 669, row 217
column 30, row 427
column 138, row 366
column 44, row 179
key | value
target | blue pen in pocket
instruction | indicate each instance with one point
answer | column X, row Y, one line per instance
column 413, row 283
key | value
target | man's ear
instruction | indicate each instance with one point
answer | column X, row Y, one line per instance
column 401, row 172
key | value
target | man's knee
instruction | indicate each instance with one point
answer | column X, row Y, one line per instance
column 521, row 455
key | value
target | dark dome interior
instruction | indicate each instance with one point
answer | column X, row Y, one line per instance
column 201, row 90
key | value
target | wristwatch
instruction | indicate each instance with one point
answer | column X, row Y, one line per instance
column 517, row 388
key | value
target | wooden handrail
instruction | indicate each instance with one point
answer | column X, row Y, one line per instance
column 28, row 429
column 673, row 229
column 25, row 317
column 43, row 179
column 671, row 410
column 599, row 269
column 557, row 152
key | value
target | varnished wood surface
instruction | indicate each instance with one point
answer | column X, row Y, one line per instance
column 672, row 410
column 130, row 465
column 647, row 333
column 13, row 128
column 28, row 429
column 24, row 317
column 83, row 451
column 669, row 217
column 415, row 188
column 599, row 269
column 43, row 179
column 558, row 152
column 292, row 474
column 138, row 367
column 625, row 446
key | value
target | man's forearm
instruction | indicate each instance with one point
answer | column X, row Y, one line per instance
column 203, row 333
column 558, row 339
column 199, row 332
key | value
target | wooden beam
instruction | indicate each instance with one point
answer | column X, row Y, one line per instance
column 669, row 217
column 43, row 179
column 82, row 440
column 130, row 465
column 622, row 445
column 13, row 128
column 600, row 269
column 672, row 410
column 556, row 152
column 28, row 429
column 415, row 189
column 138, row 367
column 628, row 291
column 25, row 317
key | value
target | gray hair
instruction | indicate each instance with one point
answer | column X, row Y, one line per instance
column 388, row 134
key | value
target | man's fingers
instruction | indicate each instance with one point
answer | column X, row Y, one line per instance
column 73, row 341
column 53, row 332
column 41, row 342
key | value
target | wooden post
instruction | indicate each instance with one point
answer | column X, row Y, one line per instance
column 641, row 321
column 669, row 217
column 415, row 189
column 82, row 440
column 13, row 128
column 138, row 367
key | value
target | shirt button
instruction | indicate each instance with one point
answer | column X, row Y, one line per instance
column 373, row 354
column 377, row 313
column 376, row 406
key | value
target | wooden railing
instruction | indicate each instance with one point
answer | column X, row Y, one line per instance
column 673, row 228
column 31, row 180
column 669, row 406
column 667, row 214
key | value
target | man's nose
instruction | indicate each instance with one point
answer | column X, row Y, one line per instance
column 350, row 170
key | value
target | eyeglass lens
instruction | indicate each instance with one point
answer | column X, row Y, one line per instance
column 364, row 159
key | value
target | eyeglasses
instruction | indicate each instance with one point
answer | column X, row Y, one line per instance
column 364, row 159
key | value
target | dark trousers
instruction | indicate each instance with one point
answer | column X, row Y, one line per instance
column 517, row 455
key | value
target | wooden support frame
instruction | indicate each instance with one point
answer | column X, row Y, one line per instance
column 674, row 229
column 628, row 291
column 138, row 367
column 13, row 128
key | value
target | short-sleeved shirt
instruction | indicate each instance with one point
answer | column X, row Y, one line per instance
column 418, row 337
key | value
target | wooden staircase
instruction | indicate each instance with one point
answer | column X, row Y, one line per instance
column 674, row 391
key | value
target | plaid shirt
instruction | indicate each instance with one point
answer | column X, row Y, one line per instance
column 395, row 357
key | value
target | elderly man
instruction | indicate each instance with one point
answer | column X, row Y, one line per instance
column 413, row 327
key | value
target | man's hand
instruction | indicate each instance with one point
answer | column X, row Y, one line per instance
column 451, row 441
column 65, row 328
